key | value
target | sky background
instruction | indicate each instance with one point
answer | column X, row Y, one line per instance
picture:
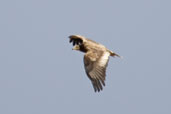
column 40, row 74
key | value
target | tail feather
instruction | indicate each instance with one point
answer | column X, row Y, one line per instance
column 114, row 54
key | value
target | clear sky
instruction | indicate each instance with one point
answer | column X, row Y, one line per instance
column 40, row 74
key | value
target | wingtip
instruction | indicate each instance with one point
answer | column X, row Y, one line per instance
column 70, row 36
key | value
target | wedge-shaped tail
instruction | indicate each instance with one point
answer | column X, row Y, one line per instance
column 114, row 54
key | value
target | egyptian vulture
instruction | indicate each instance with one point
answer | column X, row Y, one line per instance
column 95, row 59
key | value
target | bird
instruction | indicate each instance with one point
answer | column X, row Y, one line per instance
column 95, row 59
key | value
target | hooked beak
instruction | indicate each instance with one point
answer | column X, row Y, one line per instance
column 75, row 47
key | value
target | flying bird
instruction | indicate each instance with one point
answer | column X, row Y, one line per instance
column 95, row 59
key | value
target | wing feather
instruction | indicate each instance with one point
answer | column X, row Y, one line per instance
column 76, row 39
column 95, row 66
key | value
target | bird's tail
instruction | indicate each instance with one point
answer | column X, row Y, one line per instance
column 114, row 54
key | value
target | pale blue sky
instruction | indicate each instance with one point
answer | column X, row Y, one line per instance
column 40, row 74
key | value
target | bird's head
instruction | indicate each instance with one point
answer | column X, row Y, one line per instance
column 76, row 47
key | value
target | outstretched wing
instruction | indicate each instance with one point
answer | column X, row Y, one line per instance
column 95, row 66
column 76, row 39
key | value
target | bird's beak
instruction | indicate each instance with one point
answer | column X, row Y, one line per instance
column 75, row 47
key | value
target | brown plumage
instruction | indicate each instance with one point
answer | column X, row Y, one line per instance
column 95, row 59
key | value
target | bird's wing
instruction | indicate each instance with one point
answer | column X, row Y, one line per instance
column 77, row 39
column 95, row 64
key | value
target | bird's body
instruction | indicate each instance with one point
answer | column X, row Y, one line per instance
column 95, row 59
